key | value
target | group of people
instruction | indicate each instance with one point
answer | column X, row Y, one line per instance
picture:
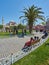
column 29, row 43
column 32, row 40
column 45, row 35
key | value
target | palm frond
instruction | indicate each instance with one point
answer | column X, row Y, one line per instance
column 38, row 9
column 21, row 17
column 40, row 12
column 40, row 17
column 25, row 9
column 32, row 14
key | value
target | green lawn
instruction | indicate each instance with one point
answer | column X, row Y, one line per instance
column 7, row 34
column 38, row 57
column 20, row 31
column 4, row 34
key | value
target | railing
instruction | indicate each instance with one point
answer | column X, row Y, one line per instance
column 20, row 54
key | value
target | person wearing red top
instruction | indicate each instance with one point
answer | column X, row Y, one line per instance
column 28, row 43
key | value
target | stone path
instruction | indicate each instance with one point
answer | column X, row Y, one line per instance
column 13, row 44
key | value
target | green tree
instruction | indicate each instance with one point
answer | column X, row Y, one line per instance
column 1, row 26
column 20, row 26
column 43, row 23
column 32, row 14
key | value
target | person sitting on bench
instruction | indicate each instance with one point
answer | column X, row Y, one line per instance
column 45, row 35
column 28, row 43
column 36, row 37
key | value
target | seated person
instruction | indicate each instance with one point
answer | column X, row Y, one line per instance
column 45, row 35
column 29, row 42
column 35, row 37
column 45, row 32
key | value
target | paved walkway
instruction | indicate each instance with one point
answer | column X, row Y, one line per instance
column 13, row 44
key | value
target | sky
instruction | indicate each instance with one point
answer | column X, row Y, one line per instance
column 11, row 9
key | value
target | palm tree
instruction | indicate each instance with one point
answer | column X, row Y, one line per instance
column 32, row 14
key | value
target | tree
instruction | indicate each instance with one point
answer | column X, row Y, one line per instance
column 20, row 26
column 43, row 23
column 32, row 14
column 1, row 26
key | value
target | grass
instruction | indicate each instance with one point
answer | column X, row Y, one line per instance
column 4, row 34
column 38, row 57
column 20, row 31
column 7, row 34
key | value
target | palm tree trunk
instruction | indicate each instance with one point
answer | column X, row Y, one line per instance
column 30, row 28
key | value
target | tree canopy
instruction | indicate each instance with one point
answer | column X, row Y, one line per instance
column 32, row 14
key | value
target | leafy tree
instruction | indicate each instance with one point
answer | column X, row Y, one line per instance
column 1, row 26
column 43, row 23
column 20, row 26
column 31, row 15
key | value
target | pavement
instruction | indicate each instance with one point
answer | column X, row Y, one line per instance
column 14, row 44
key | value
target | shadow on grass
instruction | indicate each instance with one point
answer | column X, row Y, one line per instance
column 46, row 44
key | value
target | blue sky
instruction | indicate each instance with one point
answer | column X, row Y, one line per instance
column 10, row 9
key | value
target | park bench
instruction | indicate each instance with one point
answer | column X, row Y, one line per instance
column 36, row 41
column 27, row 48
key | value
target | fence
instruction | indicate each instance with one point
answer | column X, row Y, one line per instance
column 20, row 54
